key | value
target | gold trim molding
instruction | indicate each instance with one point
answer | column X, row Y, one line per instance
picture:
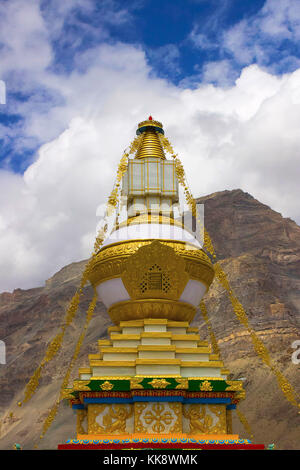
column 151, row 308
column 110, row 262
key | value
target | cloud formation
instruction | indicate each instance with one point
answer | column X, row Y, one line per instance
column 242, row 136
column 2, row 92
column 254, row 39
column 268, row 38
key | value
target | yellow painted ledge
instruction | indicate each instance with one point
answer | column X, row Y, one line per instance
column 155, row 321
column 179, row 324
column 160, row 436
column 114, row 329
column 132, row 324
column 118, row 363
column 85, row 370
column 156, row 334
column 202, row 350
column 191, row 329
column 123, row 337
column 189, row 337
column 156, row 347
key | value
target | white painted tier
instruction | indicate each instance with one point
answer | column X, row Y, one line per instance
column 155, row 353
column 114, row 291
column 151, row 231
column 121, row 371
column 157, row 369
column 200, row 372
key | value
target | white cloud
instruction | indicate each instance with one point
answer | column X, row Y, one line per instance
column 166, row 58
column 243, row 136
column 201, row 40
column 281, row 19
column 2, row 92
column 269, row 38
column 24, row 37
column 258, row 37
column 219, row 72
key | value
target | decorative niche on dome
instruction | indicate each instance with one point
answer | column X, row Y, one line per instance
column 155, row 271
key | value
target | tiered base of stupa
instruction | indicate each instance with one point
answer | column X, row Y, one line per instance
column 154, row 383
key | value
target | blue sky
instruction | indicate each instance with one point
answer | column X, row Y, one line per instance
column 184, row 41
column 222, row 76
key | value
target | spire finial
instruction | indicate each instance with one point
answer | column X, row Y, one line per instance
column 150, row 145
column 150, row 123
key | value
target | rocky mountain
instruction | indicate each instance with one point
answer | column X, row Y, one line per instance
column 260, row 252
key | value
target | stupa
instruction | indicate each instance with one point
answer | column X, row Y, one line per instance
column 154, row 382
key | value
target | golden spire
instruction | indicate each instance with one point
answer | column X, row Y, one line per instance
column 150, row 145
